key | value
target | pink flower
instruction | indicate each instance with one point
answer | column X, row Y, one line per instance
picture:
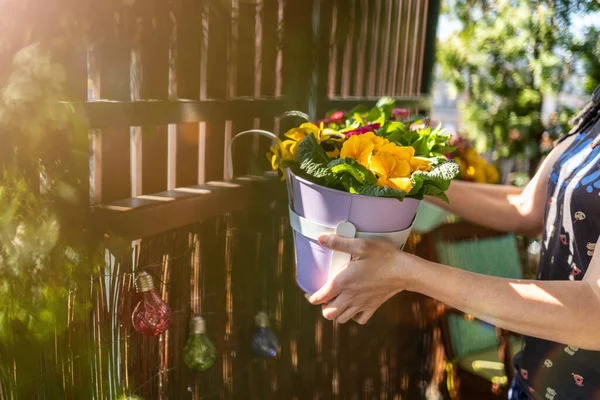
column 399, row 113
column 334, row 117
column 363, row 129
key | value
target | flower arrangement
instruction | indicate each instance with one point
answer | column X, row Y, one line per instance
column 473, row 167
column 377, row 152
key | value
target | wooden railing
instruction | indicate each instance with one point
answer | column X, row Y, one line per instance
column 162, row 105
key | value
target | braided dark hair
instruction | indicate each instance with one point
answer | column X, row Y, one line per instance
column 588, row 116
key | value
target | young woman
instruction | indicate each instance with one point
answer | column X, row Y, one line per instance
column 559, row 313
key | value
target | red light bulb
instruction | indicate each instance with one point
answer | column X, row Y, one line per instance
column 151, row 315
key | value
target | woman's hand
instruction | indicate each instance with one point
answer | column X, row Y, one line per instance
column 375, row 274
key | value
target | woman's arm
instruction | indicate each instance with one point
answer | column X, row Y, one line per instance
column 502, row 207
column 562, row 311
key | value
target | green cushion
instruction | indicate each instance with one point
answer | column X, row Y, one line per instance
column 429, row 217
column 486, row 363
column 497, row 256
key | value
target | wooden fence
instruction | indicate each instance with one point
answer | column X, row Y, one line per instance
column 162, row 104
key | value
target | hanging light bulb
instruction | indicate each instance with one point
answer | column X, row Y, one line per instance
column 151, row 315
column 264, row 342
column 199, row 353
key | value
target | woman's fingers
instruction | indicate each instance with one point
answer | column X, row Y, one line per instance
column 364, row 316
column 334, row 309
column 347, row 315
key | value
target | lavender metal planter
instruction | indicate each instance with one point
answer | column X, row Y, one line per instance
column 316, row 210
column 322, row 209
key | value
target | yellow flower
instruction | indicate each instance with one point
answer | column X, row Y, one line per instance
column 321, row 133
column 420, row 164
column 378, row 141
column 391, row 171
column 333, row 153
column 358, row 148
column 471, row 155
column 404, row 184
column 282, row 151
column 296, row 134
column 401, row 152
column 492, row 174
column 289, row 149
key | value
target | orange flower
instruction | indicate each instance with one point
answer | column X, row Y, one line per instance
column 359, row 148
column 391, row 171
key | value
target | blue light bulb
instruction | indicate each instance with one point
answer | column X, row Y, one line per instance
column 264, row 342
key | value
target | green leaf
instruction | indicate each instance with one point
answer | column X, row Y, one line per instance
column 385, row 106
column 435, row 182
column 312, row 159
column 349, row 166
column 380, row 191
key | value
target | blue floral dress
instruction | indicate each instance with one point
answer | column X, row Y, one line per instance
column 545, row 369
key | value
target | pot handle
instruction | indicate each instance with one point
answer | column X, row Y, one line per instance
column 228, row 151
column 270, row 135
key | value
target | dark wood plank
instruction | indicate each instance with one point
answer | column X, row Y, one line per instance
column 155, row 31
column 340, row 28
column 405, row 41
column 298, row 51
column 323, row 12
column 219, row 35
column 110, row 70
column 107, row 114
column 188, row 45
column 115, row 164
column 154, row 159
column 433, row 13
column 373, row 26
column 397, row 26
column 188, row 137
column 246, row 49
column 269, row 46
column 146, row 216
column 383, row 51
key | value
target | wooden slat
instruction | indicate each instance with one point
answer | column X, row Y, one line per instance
column 269, row 46
column 352, row 47
column 433, row 11
column 297, row 50
column 421, row 50
column 160, row 212
column 414, row 54
column 153, row 45
column 188, row 14
column 106, row 114
column 115, row 176
column 188, row 142
column 340, row 28
column 406, row 37
column 373, row 26
column 110, row 70
column 154, row 159
column 323, row 11
column 361, row 48
column 246, row 48
column 383, row 55
column 395, row 48
column 219, row 31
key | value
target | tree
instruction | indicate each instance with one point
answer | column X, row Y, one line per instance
column 587, row 50
column 506, row 57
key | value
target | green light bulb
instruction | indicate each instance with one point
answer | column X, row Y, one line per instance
column 199, row 353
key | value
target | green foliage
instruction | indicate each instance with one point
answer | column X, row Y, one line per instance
column 587, row 49
column 313, row 160
column 508, row 55
column 348, row 169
